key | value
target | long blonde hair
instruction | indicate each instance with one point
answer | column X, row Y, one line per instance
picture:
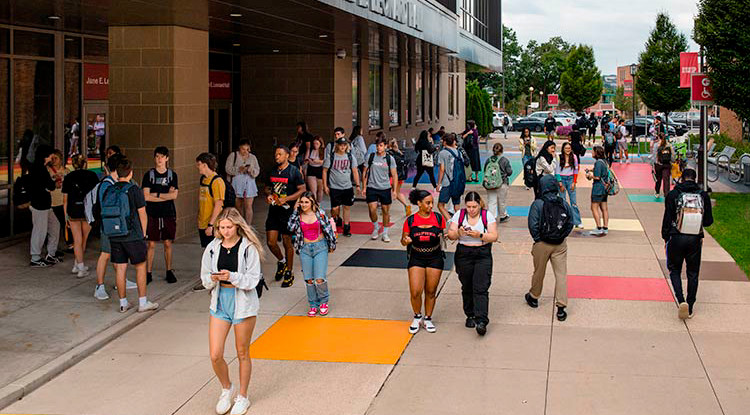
column 243, row 229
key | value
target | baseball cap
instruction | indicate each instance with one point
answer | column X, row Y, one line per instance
column 342, row 140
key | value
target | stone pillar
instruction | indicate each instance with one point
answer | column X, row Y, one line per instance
column 159, row 96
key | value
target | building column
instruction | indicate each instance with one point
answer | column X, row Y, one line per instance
column 159, row 97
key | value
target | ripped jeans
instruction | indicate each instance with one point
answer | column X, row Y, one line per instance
column 567, row 182
column 314, row 260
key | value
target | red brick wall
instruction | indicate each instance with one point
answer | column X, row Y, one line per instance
column 730, row 124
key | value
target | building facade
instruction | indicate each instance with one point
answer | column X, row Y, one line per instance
column 199, row 75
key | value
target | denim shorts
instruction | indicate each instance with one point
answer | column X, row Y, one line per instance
column 225, row 306
column 446, row 196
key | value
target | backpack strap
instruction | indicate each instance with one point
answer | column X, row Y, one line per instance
column 483, row 213
column 439, row 218
column 369, row 161
column 410, row 221
column 461, row 217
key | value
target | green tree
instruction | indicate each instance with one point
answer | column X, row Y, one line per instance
column 542, row 64
column 658, row 78
column 581, row 83
column 721, row 23
column 478, row 107
column 511, row 58
column 624, row 103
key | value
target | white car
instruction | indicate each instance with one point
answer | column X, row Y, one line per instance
column 561, row 118
column 497, row 121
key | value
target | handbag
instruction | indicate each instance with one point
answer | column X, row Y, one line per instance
column 427, row 160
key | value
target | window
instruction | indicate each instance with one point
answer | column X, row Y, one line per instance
column 355, row 92
column 33, row 44
column 395, row 80
column 437, row 94
column 375, row 86
column 408, row 96
column 451, row 106
column 419, row 90
column 474, row 16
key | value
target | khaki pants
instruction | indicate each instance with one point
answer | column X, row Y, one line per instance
column 558, row 255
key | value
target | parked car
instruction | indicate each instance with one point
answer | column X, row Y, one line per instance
column 680, row 127
column 693, row 120
column 642, row 125
column 532, row 123
column 497, row 120
column 560, row 117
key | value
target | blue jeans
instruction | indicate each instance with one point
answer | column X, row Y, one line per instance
column 314, row 260
column 526, row 158
column 567, row 182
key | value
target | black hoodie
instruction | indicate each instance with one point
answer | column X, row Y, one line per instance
column 668, row 224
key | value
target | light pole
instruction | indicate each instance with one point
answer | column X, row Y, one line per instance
column 633, row 70
column 531, row 99
column 541, row 97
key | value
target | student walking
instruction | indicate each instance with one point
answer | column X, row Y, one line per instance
column 340, row 177
column 622, row 143
column 358, row 148
column 451, row 175
column 550, row 126
column 599, row 194
column 314, row 239
column 285, row 186
column 687, row 210
column 546, row 164
column 567, row 176
column 471, row 145
column 497, row 171
column 663, row 165
column 58, row 171
column 76, row 186
column 242, row 169
column 610, row 143
column 401, row 169
column 314, row 166
column 376, row 187
column 425, row 160
column 125, row 233
column 421, row 235
column 550, row 223
column 213, row 191
column 592, row 127
column 160, row 189
column 230, row 269
column 45, row 225
column 527, row 146
column 475, row 229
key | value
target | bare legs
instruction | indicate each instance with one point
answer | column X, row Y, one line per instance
column 423, row 280
column 217, row 336
column 80, row 231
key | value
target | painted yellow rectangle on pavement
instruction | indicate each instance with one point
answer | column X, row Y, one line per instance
column 616, row 224
column 324, row 339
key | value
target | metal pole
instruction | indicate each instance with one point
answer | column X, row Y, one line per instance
column 702, row 165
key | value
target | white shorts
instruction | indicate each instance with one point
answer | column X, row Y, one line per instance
column 244, row 186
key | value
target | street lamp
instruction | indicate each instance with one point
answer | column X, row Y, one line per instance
column 531, row 99
column 633, row 70
column 541, row 97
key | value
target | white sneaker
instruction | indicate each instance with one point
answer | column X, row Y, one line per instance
column 375, row 233
column 82, row 272
column 148, row 307
column 225, row 400
column 415, row 324
column 579, row 226
column 130, row 285
column 100, row 293
column 125, row 308
column 241, row 404
column 386, row 238
column 429, row 325
column 75, row 269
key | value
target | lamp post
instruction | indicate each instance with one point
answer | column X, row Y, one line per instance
column 531, row 99
column 633, row 70
column 541, row 97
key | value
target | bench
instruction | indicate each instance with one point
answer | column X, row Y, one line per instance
column 723, row 158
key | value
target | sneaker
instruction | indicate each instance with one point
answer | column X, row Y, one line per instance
column 324, row 309
column 656, row 195
column 470, row 324
column 561, row 314
column 415, row 323
column 312, row 312
column 280, row 268
column 148, row 307
column 408, row 210
column 683, row 311
column 241, row 404
column 386, row 238
column 51, row 259
column 288, row 279
column 605, row 231
column 125, row 308
column 595, row 232
column 171, row 279
column 82, row 273
column 225, row 400
column 505, row 219
column 149, row 278
column 429, row 325
column 59, row 255
column 38, row 264
column 375, row 232
column 690, row 310
column 339, row 222
column 100, row 293
column 481, row 328
column 347, row 230
column 531, row 301
column 579, row 226
column 75, row 269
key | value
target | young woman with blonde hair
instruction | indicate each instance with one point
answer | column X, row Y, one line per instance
column 75, row 187
column 314, row 162
column 231, row 270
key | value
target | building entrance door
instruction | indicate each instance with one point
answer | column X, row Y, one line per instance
column 220, row 130
column 93, row 134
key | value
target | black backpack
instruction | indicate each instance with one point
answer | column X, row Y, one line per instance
column 401, row 167
column 229, row 196
column 556, row 222
column 21, row 192
column 530, row 177
column 352, row 165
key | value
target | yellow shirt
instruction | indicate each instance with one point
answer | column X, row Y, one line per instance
column 206, row 202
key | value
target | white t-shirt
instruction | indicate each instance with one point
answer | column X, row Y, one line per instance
column 623, row 131
column 479, row 227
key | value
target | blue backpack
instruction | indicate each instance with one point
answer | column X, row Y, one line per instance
column 115, row 207
column 458, row 182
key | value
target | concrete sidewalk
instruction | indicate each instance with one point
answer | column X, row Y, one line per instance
column 622, row 349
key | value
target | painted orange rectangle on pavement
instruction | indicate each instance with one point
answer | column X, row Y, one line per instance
column 619, row 288
column 324, row 339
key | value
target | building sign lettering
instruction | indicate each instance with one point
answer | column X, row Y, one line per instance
column 401, row 11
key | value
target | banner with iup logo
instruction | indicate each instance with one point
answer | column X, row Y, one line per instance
column 688, row 66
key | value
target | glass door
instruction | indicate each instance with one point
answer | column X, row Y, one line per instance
column 219, row 131
column 94, row 132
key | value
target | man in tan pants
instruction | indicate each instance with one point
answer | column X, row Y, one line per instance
column 550, row 223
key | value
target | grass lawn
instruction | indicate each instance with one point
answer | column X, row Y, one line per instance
column 731, row 219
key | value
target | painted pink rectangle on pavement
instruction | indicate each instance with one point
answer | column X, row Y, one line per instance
column 634, row 175
column 619, row 288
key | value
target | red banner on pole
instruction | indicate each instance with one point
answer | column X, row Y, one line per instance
column 688, row 66
column 553, row 100
column 95, row 81
column 219, row 85
column 701, row 92
column 628, row 87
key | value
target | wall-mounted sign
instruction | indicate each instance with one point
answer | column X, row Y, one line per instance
column 219, row 85
column 688, row 66
column 628, row 88
column 95, row 81
column 553, row 100
column 402, row 11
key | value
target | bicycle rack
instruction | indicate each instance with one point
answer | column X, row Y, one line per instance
column 739, row 169
column 717, row 168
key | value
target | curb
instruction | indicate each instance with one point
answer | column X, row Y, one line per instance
column 23, row 386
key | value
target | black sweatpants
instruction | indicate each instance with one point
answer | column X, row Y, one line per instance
column 609, row 152
column 685, row 248
column 430, row 173
column 474, row 268
column 663, row 174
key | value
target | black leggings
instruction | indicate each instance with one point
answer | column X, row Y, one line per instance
column 474, row 268
column 430, row 173
column 663, row 176
column 609, row 152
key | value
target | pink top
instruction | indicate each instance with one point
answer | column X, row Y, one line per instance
column 310, row 231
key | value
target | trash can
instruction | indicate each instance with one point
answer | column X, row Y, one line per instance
column 746, row 172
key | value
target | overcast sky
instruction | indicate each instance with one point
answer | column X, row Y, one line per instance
column 617, row 30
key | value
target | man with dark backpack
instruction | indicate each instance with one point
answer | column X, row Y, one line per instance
column 550, row 222
column 452, row 171
column 214, row 195
column 160, row 189
column 340, row 177
column 687, row 210
column 377, row 187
